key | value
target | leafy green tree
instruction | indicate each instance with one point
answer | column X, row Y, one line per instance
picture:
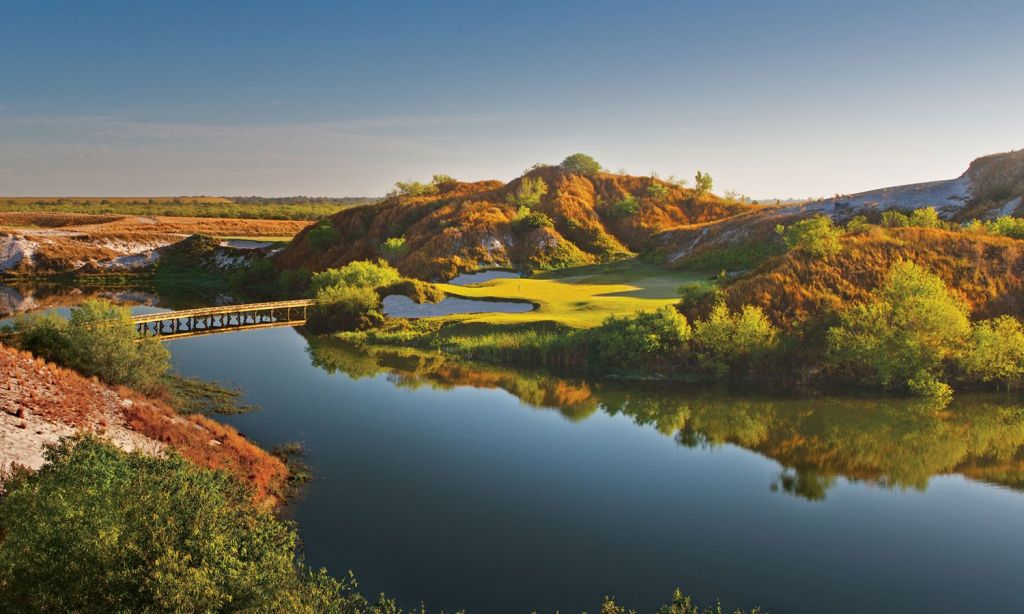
column 99, row 339
column 904, row 334
column 627, row 206
column 727, row 342
column 657, row 191
column 341, row 307
column 702, row 183
column 581, row 163
column 996, row 352
column 895, row 219
column 816, row 235
column 925, row 217
column 1007, row 226
column 645, row 341
column 322, row 236
column 529, row 193
column 356, row 273
column 393, row 248
column 100, row 530
column 857, row 225
column 527, row 219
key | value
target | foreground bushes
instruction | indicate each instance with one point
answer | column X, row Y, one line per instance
column 99, row 339
column 100, row 530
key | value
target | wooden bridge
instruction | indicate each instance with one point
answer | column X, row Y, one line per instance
column 223, row 319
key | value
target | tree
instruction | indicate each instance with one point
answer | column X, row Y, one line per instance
column 996, row 352
column 702, row 183
column 581, row 163
column 529, row 192
column 894, row 219
column 356, row 273
column 393, row 248
column 645, row 341
column 322, row 236
column 99, row 339
column 97, row 529
column 342, row 307
column 816, row 235
column 658, row 191
column 727, row 342
column 903, row 335
column 526, row 219
column 925, row 217
column 627, row 206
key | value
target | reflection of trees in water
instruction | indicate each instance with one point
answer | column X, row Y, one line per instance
column 890, row 442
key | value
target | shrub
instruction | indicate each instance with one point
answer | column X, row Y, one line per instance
column 894, row 219
column 996, row 352
column 356, row 273
column 393, row 248
column 581, row 163
column 99, row 339
column 727, row 342
column 695, row 292
column 657, row 191
column 925, row 217
column 418, row 291
column 527, row 219
column 414, row 188
column 901, row 337
column 322, row 236
column 529, row 192
column 340, row 307
column 702, row 183
column 295, row 281
column 645, row 341
column 1007, row 226
column 858, row 225
column 97, row 529
column 816, row 235
column 626, row 207
column 443, row 183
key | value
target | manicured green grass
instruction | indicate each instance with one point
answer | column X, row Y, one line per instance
column 580, row 297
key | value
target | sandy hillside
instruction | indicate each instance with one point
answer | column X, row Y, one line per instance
column 41, row 402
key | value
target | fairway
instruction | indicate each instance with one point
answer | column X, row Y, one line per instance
column 581, row 297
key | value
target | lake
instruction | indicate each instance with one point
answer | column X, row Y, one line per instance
column 497, row 490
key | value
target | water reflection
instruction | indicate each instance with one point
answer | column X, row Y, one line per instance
column 892, row 443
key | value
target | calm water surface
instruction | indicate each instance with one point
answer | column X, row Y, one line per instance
column 499, row 491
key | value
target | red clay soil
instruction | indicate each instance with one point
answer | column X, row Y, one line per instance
column 41, row 402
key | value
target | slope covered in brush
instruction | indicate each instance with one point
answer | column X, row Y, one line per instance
column 797, row 288
column 549, row 218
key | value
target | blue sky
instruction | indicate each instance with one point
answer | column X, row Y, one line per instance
column 784, row 99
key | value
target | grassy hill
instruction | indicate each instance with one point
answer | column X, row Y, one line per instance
column 574, row 219
column 797, row 287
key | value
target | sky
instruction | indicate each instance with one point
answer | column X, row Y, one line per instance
column 774, row 99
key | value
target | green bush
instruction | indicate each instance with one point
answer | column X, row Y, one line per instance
column 647, row 341
column 418, row 291
column 657, row 191
column 727, row 342
column 527, row 219
column 99, row 530
column 895, row 219
column 581, row 163
column 340, row 307
column 815, row 235
column 322, row 236
column 1007, row 226
column 626, row 206
column 99, row 339
column 925, row 217
column 529, row 193
column 414, row 188
column 996, row 352
column 903, row 335
column 857, row 225
column 393, row 248
column 702, row 183
column 356, row 273
column 695, row 292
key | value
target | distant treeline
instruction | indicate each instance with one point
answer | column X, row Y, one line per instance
column 251, row 207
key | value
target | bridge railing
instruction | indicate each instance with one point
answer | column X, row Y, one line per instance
column 220, row 310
